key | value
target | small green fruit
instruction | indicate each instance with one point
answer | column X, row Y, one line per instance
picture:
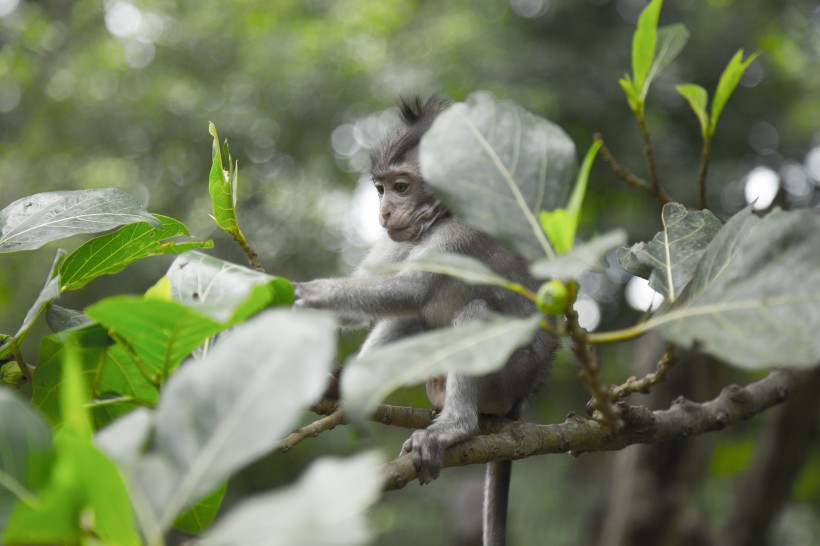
column 552, row 298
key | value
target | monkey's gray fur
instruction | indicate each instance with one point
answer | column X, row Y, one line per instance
column 416, row 223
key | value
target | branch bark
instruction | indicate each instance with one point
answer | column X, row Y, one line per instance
column 641, row 426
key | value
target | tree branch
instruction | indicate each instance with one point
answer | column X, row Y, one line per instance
column 641, row 426
column 329, row 422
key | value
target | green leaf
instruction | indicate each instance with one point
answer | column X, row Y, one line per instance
column 222, row 187
column 474, row 348
column 670, row 258
column 754, row 300
column 23, row 435
column 73, row 395
column 83, row 495
column 560, row 225
column 107, row 369
column 670, row 42
column 633, row 95
column 728, row 82
column 48, row 293
column 643, row 45
column 33, row 221
column 327, row 506
column 582, row 258
column 159, row 333
column 84, row 492
column 497, row 166
column 201, row 514
column 112, row 252
column 225, row 291
column 462, row 267
column 228, row 409
column 59, row 318
column 697, row 97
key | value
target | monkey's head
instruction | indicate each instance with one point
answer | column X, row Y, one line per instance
column 407, row 206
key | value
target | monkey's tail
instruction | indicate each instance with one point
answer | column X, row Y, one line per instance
column 496, row 497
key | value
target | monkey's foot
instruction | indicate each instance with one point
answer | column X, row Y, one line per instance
column 428, row 455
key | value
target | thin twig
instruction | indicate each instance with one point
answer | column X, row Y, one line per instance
column 396, row 416
column 633, row 385
column 649, row 155
column 253, row 257
column 24, row 369
column 630, row 179
column 603, row 408
column 704, row 169
column 312, row 430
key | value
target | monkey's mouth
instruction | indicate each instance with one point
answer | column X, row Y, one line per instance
column 400, row 234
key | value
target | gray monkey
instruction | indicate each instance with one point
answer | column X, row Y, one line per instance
column 415, row 224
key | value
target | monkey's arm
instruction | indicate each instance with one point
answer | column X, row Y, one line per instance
column 366, row 296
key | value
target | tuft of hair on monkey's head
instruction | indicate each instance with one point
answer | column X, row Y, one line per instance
column 400, row 147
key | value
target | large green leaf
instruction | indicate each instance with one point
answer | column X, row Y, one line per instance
column 81, row 492
column 225, row 291
column 108, row 371
column 218, row 414
column 475, row 348
column 670, row 258
column 754, row 300
column 327, row 506
column 110, row 253
column 23, row 434
column 497, row 166
column 33, row 221
column 159, row 333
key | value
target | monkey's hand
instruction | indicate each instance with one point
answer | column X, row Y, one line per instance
column 323, row 294
column 428, row 454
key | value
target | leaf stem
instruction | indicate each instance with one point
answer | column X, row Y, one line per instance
column 118, row 400
column 596, row 338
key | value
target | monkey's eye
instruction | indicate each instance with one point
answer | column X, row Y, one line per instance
column 379, row 188
column 401, row 186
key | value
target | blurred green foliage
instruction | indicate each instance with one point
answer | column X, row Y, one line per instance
column 119, row 94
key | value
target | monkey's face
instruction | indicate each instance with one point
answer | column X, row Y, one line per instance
column 407, row 207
